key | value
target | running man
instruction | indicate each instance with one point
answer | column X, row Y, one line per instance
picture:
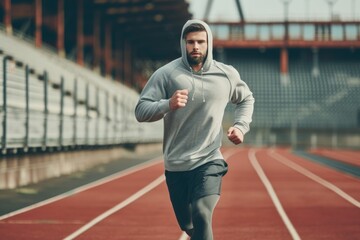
column 190, row 95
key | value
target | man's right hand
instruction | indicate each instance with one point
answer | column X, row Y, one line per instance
column 179, row 99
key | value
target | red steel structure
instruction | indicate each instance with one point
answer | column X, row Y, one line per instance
column 285, row 35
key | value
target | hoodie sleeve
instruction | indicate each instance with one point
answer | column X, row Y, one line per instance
column 243, row 98
column 153, row 103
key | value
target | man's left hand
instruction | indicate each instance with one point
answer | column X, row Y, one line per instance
column 235, row 135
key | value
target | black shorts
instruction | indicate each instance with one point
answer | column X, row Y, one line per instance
column 187, row 186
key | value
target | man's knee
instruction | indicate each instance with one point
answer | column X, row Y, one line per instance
column 202, row 216
column 202, row 209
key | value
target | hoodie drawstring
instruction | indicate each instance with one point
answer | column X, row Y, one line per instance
column 193, row 83
column 202, row 84
column 194, row 86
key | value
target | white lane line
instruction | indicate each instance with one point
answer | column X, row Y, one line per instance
column 118, row 207
column 85, row 187
column 314, row 177
column 273, row 195
column 226, row 154
column 184, row 236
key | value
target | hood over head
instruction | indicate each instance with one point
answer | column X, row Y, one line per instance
column 209, row 57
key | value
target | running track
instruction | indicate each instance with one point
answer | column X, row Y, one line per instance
column 267, row 194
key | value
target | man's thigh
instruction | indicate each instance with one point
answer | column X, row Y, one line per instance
column 207, row 179
column 177, row 183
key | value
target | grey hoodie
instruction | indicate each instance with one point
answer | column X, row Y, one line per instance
column 193, row 134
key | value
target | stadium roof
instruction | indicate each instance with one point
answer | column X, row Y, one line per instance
column 152, row 26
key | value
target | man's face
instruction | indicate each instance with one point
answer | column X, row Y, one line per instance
column 196, row 47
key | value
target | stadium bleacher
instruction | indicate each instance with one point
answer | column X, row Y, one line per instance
column 324, row 102
column 70, row 107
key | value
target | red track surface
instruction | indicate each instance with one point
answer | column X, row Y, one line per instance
column 348, row 156
column 302, row 200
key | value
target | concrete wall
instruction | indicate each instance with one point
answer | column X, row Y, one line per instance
column 23, row 170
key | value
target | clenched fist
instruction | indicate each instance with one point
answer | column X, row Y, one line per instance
column 179, row 99
column 235, row 135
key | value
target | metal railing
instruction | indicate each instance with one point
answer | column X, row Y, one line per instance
column 38, row 113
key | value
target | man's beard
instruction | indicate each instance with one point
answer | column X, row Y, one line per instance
column 195, row 60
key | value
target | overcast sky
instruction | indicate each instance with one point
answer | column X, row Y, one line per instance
column 265, row 10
